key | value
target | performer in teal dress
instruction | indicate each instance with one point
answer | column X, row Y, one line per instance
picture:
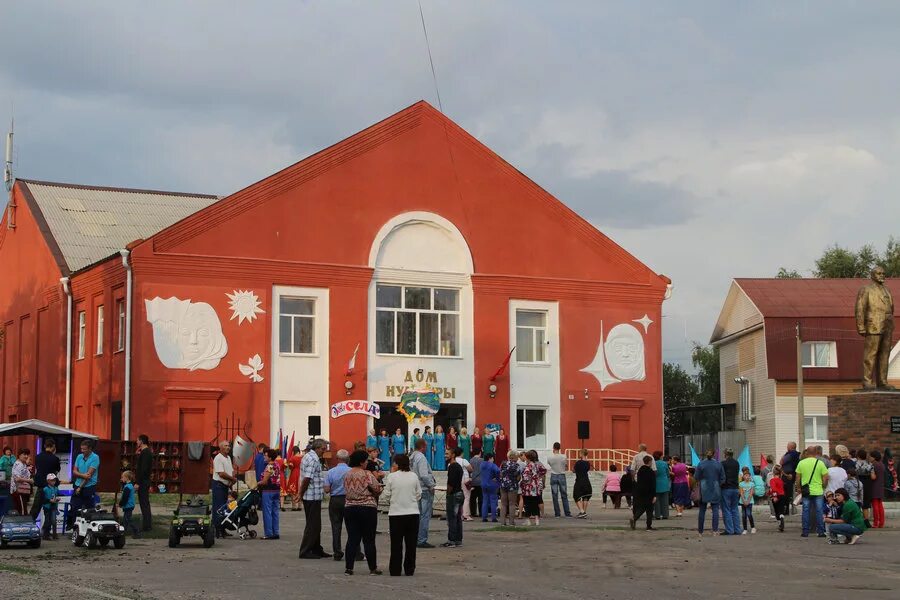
column 384, row 449
column 413, row 439
column 371, row 439
column 487, row 443
column 398, row 441
column 465, row 443
column 438, row 459
column 429, row 446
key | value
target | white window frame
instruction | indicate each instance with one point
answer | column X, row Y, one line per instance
column 101, row 324
column 419, row 311
column 534, row 330
column 817, row 439
column 832, row 355
column 120, row 333
column 520, row 431
column 82, row 333
column 312, row 317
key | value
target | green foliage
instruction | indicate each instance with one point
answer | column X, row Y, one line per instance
column 784, row 273
column 706, row 360
column 838, row 262
column 680, row 389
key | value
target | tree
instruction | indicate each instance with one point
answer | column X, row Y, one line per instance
column 706, row 361
column 784, row 273
column 679, row 391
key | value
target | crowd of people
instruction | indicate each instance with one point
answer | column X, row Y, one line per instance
column 437, row 444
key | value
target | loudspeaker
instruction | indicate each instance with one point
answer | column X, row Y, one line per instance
column 314, row 425
column 584, row 430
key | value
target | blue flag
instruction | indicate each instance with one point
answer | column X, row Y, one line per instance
column 744, row 459
column 695, row 460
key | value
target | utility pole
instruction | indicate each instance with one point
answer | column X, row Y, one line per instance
column 801, row 412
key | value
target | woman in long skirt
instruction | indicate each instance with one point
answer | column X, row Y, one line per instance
column 465, row 442
column 681, row 489
column 429, row 446
column 384, row 449
column 438, row 460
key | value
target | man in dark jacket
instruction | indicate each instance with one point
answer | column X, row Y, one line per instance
column 644, row 494
column 731, row 494
column 142, row 480
column 44, row 463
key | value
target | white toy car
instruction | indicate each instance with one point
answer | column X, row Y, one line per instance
column 97, row 526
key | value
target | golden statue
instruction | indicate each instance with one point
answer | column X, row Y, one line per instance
column 875, row 321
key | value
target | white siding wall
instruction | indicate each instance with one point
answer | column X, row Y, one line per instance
column 746, row 357
column 786, row 423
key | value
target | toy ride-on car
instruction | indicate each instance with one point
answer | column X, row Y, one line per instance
column 19, row 528
column 192, row 519
column 95, row 527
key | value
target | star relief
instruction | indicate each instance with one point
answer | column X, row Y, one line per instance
column 244, row 305
column 645, row 321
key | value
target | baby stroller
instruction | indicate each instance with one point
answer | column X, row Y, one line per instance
column 240, row 514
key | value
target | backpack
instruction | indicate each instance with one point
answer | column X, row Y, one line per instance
column 759, row 486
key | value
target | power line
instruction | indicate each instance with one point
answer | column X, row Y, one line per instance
column 430, row 59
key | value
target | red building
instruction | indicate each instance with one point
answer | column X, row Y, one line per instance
column 409, row 246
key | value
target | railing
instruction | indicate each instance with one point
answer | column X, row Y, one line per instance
column 601, row 458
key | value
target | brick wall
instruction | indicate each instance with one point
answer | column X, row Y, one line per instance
column 863, row 420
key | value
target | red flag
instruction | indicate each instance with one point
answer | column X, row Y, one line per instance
column 351, row 366
column 763, row 463
column 503, row 366
column 292, row 441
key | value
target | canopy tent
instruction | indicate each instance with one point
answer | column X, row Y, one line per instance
column 40, row 428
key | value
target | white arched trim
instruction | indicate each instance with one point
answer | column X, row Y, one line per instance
column 419, row 218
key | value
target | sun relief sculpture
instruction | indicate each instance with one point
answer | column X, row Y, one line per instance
column 186, row 335
column 244, row 305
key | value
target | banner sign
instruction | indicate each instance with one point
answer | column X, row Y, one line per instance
column 355, row 407
column 493, row 428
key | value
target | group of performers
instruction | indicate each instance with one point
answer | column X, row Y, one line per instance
column 437, row 444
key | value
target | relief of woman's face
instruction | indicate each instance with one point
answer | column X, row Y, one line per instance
column 194, row 335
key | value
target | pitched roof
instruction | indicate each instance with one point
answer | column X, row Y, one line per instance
column 87, row 224
column 808, row 297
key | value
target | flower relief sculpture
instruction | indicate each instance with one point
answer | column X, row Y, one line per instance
column 186, row 335
column 252, row 368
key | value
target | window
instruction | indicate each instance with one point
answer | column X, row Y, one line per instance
column 816, row 428
column 416, row 321
column 100, row 324
column 296, row 329
column 531, row 336
column 531, row 428
column 819, row 354
column 120, row 332
column 82, row 330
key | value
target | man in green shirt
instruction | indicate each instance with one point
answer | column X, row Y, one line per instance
column 812, row 472
column 851, row 524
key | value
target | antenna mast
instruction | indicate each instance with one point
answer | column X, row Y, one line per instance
column 9, row 179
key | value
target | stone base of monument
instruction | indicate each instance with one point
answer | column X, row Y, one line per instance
column 865, row 419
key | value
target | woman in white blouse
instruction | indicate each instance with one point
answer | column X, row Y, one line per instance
column 402, row 492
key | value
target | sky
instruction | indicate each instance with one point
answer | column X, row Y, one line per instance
column 712, row 140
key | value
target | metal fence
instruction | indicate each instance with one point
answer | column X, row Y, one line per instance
column 680, row 445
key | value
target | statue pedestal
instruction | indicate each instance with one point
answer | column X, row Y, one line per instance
column 865, row 420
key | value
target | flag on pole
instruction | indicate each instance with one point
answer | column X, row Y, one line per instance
column 292, row 441
column 352, row 364
column 744, row 459
column 502, row 368
column 695, row 460
column 763, row 463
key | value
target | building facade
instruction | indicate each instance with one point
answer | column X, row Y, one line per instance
column 756, row 334
column 384, row 278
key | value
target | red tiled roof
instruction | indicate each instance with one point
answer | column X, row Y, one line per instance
column 809, row 297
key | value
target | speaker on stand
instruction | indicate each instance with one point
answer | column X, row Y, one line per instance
column 584, row 431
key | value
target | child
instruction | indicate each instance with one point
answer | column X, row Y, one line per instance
column 831, row 509
column 126, row 503
column 747, row 488
column 51, row 498
column 776, row 493
column 854, row 487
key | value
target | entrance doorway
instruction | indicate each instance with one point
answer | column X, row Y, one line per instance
column 391, row 419
column 451, row 414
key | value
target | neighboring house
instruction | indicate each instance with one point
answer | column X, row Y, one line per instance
column 756, row 334
column 60, row 261
column 389, row 275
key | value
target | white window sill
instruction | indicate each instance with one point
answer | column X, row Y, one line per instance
column 298, row 355
column 419, row 356
column 543, row 365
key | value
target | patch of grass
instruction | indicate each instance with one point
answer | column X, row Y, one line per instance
column 17, row 569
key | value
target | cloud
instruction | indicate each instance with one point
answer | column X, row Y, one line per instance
column 712, row 141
